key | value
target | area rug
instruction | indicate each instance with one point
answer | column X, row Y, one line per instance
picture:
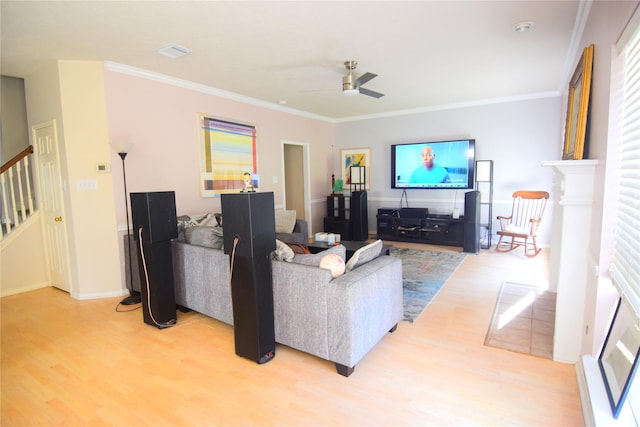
column 523, row 320
column 423, row 275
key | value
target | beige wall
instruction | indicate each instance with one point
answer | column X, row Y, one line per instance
column 87, row 145
column 72, row 93
column 23, row 264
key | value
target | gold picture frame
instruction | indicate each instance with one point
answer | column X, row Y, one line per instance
column 575, row 133
column 355, row 157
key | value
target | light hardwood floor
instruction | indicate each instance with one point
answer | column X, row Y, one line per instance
column 69, row 362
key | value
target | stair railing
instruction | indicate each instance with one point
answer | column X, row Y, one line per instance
column 16, row 194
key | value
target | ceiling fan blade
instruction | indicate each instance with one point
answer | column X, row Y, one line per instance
column 364, row 78
column 368, row 92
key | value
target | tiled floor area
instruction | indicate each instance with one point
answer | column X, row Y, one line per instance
column 523, row 320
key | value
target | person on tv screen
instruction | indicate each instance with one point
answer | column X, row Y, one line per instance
column 429, row 172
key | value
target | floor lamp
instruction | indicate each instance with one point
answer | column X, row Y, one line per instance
column 134, row 296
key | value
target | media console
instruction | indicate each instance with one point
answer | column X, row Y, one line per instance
column 419, row 226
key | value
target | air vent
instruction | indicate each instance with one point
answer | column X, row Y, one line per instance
column 174, row 51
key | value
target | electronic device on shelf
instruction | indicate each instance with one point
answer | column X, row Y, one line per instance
column 453, row 165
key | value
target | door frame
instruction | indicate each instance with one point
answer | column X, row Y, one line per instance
column 306, row 178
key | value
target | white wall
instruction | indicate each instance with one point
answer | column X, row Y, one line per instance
column 160, row 119
column 516, row 135
column 15, row 136
column 605, row 24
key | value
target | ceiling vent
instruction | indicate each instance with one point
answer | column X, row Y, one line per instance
column 174, row 51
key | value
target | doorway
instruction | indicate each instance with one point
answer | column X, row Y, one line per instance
column 295, row 160
column 52, row 204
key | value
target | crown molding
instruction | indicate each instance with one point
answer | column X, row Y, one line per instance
column 185, row 84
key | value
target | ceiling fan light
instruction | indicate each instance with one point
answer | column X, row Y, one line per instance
column 350, row 92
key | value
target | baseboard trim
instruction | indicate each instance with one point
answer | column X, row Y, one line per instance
column 100, row 295
column 24, row 289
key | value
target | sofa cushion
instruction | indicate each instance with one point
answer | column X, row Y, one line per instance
column 285, row 221
column 283, row 252
column 364, row 255
column 334, row 263
column 210, row 237
column 314, row 259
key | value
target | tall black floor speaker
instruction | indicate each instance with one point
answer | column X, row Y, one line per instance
column 359, row 216
column 471, row 242
column 249, row 238
column 154, row 225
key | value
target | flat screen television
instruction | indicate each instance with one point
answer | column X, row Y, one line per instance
column 433, row 165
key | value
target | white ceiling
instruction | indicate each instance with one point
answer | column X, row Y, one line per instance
column 427, row 54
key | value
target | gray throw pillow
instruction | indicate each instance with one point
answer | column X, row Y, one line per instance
column 314, row 259
column 208, row 220
column 210, row 237
column 364, row 255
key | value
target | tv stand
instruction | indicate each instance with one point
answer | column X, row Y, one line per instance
column 419, row 226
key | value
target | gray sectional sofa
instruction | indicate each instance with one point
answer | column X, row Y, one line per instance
column 339, row 319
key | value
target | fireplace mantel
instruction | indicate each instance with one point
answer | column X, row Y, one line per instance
column 573, row 186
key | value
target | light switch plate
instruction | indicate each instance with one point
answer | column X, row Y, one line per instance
column 87, row 184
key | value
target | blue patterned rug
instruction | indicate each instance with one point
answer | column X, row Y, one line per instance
column 423, row 274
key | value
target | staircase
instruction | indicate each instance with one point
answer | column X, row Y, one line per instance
column 17, row 202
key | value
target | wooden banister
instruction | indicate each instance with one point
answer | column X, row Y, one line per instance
column 16, row 192
column 21, row 155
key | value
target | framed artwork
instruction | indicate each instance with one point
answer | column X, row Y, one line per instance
column 227, row 156
column 576, row 125
column 356, row 157
column 620, row 353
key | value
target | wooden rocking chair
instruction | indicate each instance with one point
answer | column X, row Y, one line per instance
column 521, row 228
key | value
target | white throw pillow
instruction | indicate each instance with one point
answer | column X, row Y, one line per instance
column 285, row 221
column 364, row 255
column 283, row 252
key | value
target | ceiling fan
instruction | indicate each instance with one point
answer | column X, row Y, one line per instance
column 353, row 86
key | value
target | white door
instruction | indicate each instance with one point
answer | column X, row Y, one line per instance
column 52, row 204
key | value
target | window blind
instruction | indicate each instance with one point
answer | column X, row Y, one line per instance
column 625, row 268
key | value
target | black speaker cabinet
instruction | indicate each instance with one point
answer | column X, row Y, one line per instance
column 154, row 225
column 471, row 242
column 249, row 239
column 156, row 214
column 359, row 216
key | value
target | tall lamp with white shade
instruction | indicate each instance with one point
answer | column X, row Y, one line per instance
column 134, row 296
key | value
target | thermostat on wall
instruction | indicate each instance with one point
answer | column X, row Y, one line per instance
column 103, row 168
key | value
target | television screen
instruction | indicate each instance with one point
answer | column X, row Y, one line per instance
column 433, row 165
